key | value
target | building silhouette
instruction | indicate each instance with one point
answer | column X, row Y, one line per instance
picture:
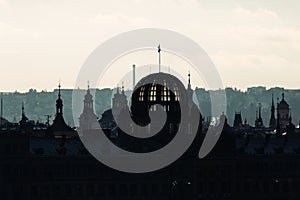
column 42, row 161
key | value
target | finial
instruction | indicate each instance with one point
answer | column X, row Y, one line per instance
column 189, row 75
column 282, row 96
column 159, row 58
column 59, row 89
column 88, row 85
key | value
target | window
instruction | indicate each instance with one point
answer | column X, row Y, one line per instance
column 152, row 96
column 141, row 95
column 176, row 93
column 165, row 92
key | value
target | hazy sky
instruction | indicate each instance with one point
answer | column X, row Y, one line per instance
column 251, row 42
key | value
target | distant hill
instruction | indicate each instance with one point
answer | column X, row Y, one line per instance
column 39, row 104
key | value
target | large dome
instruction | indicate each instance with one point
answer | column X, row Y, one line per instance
column 159, row 88
column 283, row 105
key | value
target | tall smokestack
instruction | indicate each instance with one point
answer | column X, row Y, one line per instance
column 133, row 76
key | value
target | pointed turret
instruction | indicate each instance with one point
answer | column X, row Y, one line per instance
column 259, row 121
column 272, row 123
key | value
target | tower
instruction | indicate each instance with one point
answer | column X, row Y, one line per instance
column 272, row 123
column 59, row 128
column 119, row 101
column 59, row 103
column 24, row 119
column 88, row 119
column 283, row 113
column 189, row 91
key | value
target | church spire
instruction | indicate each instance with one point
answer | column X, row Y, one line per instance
column 59, row 102
column 272, row 123
column 23, row 116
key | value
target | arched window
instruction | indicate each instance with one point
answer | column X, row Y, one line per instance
column 141, row 95
column 176, row 93
column 165, row 93
column 152, row 96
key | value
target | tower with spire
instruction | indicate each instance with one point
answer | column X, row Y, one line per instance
column 23, row 116
column 119, row 101
column 88, row 119
column 59, row 128
column 272, row 123
column 283, row 110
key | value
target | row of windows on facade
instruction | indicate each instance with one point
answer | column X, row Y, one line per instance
column 165, row 94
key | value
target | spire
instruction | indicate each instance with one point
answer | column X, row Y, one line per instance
column 88, row 85
column 272, row 122
column 23, row 113
column 159, row 57
column 59, row 90
column 59, row 103
column 23, row 117
column 282, row 96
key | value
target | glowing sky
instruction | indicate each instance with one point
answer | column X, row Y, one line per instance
column 251, row 42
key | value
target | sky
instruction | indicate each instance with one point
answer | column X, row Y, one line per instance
column 251, row 43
